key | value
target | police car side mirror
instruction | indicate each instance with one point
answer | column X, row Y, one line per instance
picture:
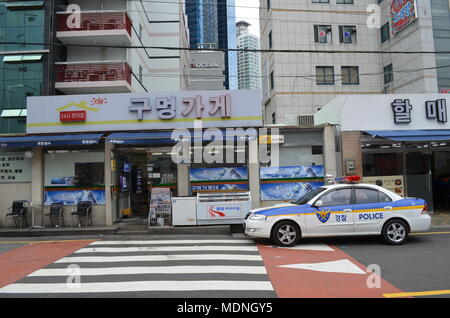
column 318, row 204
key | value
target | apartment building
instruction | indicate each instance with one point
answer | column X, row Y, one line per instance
column 249, row 75
column 81, row 47
column 104, row 63
column 297, row 85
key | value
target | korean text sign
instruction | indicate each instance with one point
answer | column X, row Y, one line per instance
column 146, row 111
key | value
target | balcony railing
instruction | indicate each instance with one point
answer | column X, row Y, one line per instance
column 96, row 21
column 93, row 72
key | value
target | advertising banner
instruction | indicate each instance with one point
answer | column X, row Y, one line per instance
column 403, row 13
column 289, row 183
column 72, row 197
column 393, row 183
column 144, row 111
column 220, row 179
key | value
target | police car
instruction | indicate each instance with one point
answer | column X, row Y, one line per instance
column 341, row 209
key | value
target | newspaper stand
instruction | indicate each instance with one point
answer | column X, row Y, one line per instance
column 160, row 213
column 222, row 208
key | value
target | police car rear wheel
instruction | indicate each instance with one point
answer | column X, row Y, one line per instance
column 286, row 234
column 395, row 232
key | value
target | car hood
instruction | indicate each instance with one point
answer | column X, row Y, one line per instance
column 278, row 209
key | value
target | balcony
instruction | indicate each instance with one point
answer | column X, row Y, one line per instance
column 93, row 78
column 100, row 27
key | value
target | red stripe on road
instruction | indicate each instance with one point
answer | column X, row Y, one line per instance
column 22, row 261
column 303, row 283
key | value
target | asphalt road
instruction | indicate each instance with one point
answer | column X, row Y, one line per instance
column 420, row 265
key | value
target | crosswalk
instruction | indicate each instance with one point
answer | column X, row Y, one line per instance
column 181, row 268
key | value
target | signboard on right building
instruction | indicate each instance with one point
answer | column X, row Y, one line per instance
column 403, row 13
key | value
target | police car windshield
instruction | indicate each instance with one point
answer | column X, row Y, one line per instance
column 307, row 197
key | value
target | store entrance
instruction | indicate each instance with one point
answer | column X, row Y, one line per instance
column 428, row 177
column 139, row 171
column 441, row 181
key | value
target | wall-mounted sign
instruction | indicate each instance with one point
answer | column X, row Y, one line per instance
column 387, row 112
column 144, row 111
column 271, row 139
column 205, row 65
column 392, row 183
column 434, row 109
column 72, row 116
column 403, row 13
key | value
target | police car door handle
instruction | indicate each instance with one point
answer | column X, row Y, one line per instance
column 388, row 208
column 347, row 210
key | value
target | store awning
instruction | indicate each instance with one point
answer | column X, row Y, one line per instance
column 46, row 141
column 165, row 137
column 411, row 135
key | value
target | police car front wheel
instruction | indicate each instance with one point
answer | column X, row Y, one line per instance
column 395, row 232
column 286, row 234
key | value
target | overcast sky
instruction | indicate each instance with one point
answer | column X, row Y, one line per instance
column 250, row 14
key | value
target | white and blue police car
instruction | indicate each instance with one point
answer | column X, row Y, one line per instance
column 341, row 209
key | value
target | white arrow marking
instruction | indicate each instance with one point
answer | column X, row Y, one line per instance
column 339, row 266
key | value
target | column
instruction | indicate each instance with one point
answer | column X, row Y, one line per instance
column 329, row 150
column 183, row 179
column 109, row 182
column 253, row 173
column 37, row 182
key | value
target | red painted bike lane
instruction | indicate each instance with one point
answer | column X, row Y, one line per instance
column 22, row 261
column 320, row 274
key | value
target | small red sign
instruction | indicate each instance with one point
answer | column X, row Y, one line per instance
column 72, row 116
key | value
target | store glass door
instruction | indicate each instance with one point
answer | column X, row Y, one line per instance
column 419, row 176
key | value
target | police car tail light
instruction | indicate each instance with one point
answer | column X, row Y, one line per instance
column 425, row 209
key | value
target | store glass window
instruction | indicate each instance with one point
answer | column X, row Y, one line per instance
column 382, row 164
column 71, row 176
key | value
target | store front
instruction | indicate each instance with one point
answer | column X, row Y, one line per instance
column 400, row 142
column 131, row 170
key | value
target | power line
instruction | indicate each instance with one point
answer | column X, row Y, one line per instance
column 297, row 51
column 256, row 76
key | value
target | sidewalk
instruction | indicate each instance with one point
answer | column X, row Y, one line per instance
column 440, row 219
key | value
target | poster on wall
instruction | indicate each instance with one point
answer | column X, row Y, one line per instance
column 15, row 167
column 219, row 179
column 72, row 197
column 393, row 183
column 289, row 183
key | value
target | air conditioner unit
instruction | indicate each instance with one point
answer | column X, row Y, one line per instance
column 306, row 120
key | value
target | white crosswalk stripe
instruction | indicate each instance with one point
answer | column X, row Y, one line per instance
column 154, row 268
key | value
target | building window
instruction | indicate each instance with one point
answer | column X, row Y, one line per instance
column 270, row 39
column 322, row 33
column 388, row 74
column 350, row 75
column 268, row 4
column 316, row 150
column 320, row 1
column 324, row 75
column 385, row 32
column 347, row 34
column 274, row 118
column 141, row 73
column 344, row 1
column 272, row 82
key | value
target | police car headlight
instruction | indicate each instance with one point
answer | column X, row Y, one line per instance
column 258, row 217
